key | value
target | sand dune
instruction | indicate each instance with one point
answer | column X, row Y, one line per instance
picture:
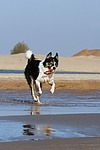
column 78, row 63
column 86, row 52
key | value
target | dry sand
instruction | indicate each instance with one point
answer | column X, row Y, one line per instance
column 78, row 63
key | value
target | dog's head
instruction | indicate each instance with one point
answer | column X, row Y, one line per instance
column 51, row 62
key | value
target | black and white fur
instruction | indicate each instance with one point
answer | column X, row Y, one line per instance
column 38, row 72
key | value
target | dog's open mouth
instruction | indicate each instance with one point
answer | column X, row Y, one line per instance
column 49, row 72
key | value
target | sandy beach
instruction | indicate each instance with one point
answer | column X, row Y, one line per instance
column 78, row 122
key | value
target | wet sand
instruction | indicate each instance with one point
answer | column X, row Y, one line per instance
column 79, row 121
column 54, row 144
column 65, row 82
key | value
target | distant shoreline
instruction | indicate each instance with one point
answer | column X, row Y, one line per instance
column 57, row 72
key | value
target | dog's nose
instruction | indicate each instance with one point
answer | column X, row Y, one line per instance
column 54, row 68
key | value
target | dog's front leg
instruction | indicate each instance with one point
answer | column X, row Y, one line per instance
column 52, row 87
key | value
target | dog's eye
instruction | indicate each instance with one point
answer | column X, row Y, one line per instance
column 56, row 64
column 47, row 64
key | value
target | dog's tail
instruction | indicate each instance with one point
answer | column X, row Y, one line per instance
column 28, row 54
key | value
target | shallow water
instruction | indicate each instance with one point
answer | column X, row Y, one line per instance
column 16, row 131
column 19, row 102
column 34, row 132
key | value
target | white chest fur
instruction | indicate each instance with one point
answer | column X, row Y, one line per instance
column 43, row 78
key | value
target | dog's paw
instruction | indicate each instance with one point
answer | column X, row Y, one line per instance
column 52, row 91
column 38, row 103
column 40, row 92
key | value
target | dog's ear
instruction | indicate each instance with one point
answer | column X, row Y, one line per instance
column 56, row 56
column 49, row 55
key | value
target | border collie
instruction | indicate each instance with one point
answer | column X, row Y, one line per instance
column 38, row 72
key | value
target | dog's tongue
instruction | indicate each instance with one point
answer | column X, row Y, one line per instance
column 50, row 70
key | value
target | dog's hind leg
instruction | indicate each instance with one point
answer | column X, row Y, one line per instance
column 32, row 91
column 31, row 84
column 38, row 86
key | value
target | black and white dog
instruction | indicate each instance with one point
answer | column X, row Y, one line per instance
column 38, row 72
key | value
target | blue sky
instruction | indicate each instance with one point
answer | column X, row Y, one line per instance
column 63, row 26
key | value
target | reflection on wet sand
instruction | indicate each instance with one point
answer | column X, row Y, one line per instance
column 35, row 110
column 32, row 130
column 48, row 130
